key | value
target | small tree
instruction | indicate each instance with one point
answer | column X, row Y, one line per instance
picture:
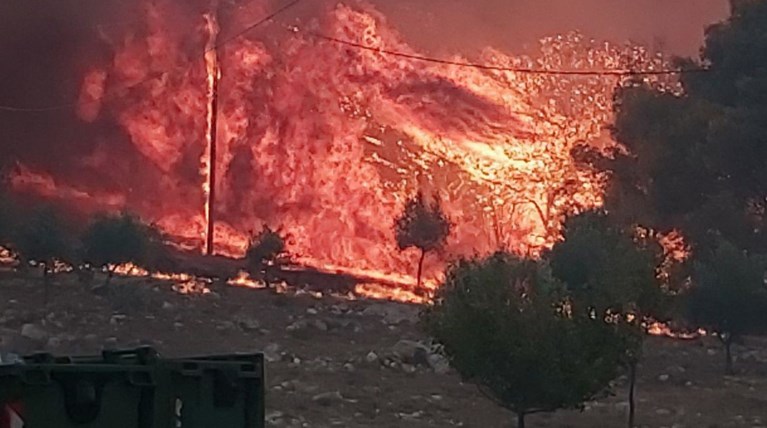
column 6, row 219
column 265, row 250
column 612, row 275
column 422, row 225
column 728, row 295
column 506, row 325
column 41, row 238
column 112, row 240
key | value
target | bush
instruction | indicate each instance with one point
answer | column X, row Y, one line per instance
column 265, row 248
column 42, row 238
column 112, row 240
column 505, row 325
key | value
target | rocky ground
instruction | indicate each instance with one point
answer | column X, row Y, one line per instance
column 336, row 361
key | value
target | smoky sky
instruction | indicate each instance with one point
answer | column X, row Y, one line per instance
column 48, row 45
column 675, row 26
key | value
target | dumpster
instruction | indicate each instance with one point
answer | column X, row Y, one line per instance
column 133, row 389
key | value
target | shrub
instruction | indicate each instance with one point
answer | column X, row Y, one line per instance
column 42, row 238
column 265, row 248
column 112, row 240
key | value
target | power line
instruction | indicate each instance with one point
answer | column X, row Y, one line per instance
column 524, row 70
column 266, row 19
column 239, row 34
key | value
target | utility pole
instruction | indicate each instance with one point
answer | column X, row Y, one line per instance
column 214, row 74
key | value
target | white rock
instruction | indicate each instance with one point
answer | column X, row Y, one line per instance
column 439, row 364
column 32, row 331
column 327, row 399
column 393, row 313
column 272, row 353
column 411, row 352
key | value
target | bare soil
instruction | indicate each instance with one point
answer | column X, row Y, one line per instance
column 333, row 360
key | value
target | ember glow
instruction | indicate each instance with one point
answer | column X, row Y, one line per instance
column 182, row 283
column 326, row 142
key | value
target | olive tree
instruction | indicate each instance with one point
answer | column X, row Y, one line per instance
column 728, row 296
column 506, row 326
column 422, row 225
column 612, row 274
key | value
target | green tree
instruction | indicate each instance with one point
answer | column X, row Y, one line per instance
column 6, row 219
column 505, row 325
column 422, row 225
column 612, row 274
column 689, row 153
column 112, row 240
column 42, row 239
column 729, row 296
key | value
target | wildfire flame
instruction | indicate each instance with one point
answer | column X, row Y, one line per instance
column 243, row 279
column 326, row 142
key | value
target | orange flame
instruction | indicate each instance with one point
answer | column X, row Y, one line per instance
column 326, row 142
column 243, row 279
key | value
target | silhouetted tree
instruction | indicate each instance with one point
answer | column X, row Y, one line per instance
column 613, row 275
column 265, row 251
column 422, row 225
column 41, row 238
column 729, row 295
column 112, row 240
column 506, row 325
column 697, row 161
column 6, row 219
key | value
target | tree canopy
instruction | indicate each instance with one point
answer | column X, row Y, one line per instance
column 505, row 326
column 697, row 160
column 606, row 268
column 729, row 296
column 422, row 225
column 115, row 240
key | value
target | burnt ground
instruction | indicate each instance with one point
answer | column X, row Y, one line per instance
column 340, row 362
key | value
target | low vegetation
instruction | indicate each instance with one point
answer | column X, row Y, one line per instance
column 113, row 240
column 266, row 250
column 42, row 239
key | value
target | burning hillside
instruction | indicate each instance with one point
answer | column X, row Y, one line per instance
column 325, row 141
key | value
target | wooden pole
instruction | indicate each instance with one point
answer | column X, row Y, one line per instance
column 213, row 68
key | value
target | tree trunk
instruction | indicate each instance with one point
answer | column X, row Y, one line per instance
column 110, row 274
column 420, row 267
column 728, row 355
column 46, row 285
column 520, row 420
column 632, row 388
